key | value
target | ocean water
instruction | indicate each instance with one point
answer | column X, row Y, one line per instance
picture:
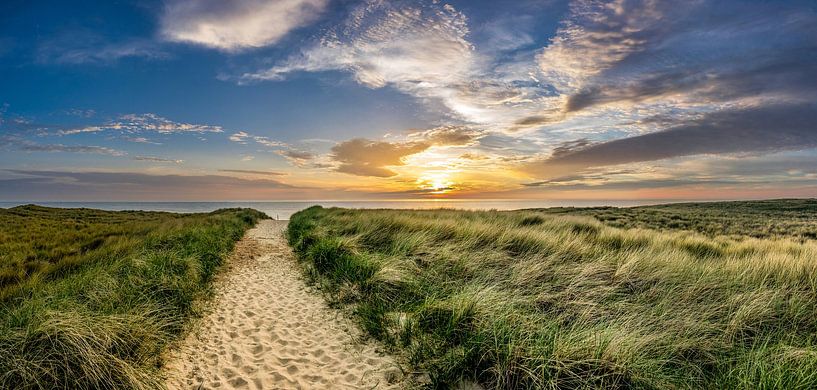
column 283, row 210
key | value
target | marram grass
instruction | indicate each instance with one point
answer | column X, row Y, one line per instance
column 89, row 298
column 531, row 300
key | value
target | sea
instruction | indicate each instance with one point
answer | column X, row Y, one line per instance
column 284, row 209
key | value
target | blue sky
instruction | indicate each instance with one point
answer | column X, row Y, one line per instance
column 338, row 99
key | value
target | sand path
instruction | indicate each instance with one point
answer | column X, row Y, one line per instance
column 267, row 330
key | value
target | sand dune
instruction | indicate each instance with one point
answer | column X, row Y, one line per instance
column 267, row 330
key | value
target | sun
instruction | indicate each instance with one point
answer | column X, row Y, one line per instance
column 436, row 182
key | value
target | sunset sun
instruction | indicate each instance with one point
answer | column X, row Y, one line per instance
column 436, row 182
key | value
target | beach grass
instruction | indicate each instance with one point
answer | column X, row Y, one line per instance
column 776, row 218
column 89, row 298
column 533, row 299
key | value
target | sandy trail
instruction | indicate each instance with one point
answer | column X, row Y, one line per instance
column 267, row 330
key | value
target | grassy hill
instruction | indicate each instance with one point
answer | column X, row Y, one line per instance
column 533, row 299
column 89, row 298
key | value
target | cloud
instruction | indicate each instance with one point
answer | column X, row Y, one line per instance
column 750, row 129
column 269, row 142
column 140, row 140
column 16, row 143
column 297, row 154
column 635, row 51
column 86, row 47
column 80, row 113
column 364, row 157
column 790, row 75
column 139, row 123
column 236, row 25
column 252, row 172
column 597, row 35
column 421, row 49
column 157, row 159
column 240, row 137
column 298, row 158
column 36, row 185
column 448, row 135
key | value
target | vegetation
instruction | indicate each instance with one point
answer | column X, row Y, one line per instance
column 796, row 218
column 89, row 298
column 534, row 300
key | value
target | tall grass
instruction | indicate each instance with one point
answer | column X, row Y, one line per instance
column 530, row 300
column 793, row 218
column 88, row 298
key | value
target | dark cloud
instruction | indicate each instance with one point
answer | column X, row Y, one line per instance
column 788, row 74
column 632, row 51
column 569, row 147
column 252, row 172
column 652, row 184
column 38, row 185
column 763, row 129
column 364, row 157
column 16, row 143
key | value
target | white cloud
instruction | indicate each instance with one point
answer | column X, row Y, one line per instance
column 238, row 24
column 139, row 123
column 240, row 137
column 424, row 51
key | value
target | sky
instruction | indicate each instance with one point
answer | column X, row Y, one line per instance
column 197, row 100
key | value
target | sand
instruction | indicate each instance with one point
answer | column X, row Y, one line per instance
column 266, row 329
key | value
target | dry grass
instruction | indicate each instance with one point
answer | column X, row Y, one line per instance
column 793, row 218
column 531, row 300
column 89, row 298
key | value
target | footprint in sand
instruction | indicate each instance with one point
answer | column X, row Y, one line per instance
column 271, row 332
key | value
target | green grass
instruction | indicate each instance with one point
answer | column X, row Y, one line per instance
column 795, row 218
column 529, row 299
column 89, row 298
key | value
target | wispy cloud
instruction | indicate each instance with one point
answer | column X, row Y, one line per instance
column 157, row 159
column 140, row 140
column 236, row 25
column 17, row 143
column 88, row 113
column 298, row 158
column 139, row 123
column 295, row 156
column 423, row 50
column 447, row 135
column 87, row 47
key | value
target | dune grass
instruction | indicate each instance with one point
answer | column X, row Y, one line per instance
column 794, row 218
column 89, row 298
column 531, row 300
